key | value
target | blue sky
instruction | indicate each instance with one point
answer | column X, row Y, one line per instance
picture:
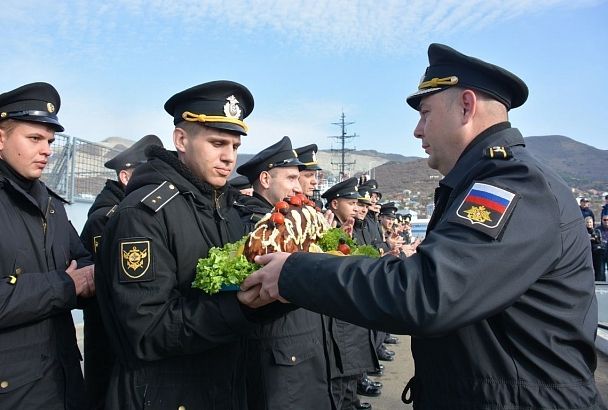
column 115, row 63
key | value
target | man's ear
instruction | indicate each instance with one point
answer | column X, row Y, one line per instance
column 124, row 176
column 265, row 179
column 333, row 204
column 468, row 102
column 3, row 135
column 180, row 140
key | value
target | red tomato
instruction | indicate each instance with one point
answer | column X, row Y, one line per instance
column 277, row 218
column 282, row 207
column 295, row 201
column 344, row 248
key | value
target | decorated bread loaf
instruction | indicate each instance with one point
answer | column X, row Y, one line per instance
column 293, row 225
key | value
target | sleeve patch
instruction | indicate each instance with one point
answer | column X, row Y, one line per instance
column 485, row 208
column 136, row 264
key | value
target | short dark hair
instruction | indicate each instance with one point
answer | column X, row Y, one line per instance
column 8, row 125
column 191, row 128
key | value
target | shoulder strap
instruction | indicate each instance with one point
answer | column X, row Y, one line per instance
column 160, row 196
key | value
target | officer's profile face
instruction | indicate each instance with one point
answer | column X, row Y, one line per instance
column 26, row 147
column 361, row 211
column 283, row 182
column 386, row 222
column 308, row 181
column 344, row 208
column 440, row 128
column 210, row 153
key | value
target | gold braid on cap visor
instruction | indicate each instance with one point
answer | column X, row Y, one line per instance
column 438, row 82
column 190, row 116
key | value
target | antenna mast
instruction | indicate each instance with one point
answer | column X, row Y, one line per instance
column 343, row 166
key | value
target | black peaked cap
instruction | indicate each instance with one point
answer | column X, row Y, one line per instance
column 450, row 68
column 134, row 155
column 240, row 182
column 372, row 186
column 388, row 209
column 35, row 102
column 218, row 104
column 308, row 156
column 346, row 189
column 280, row 154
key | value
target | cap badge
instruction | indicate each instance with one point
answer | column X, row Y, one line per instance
column 50, row 107
column 231, row 108
column 438, row 82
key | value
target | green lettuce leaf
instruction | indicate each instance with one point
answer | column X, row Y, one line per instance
column 223, row 266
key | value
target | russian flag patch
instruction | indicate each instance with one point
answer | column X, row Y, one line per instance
column 486, row 208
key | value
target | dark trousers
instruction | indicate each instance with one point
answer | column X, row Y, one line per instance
column 344, row 392
column 599, row 264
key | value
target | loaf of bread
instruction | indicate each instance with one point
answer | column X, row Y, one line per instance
column 293, row 225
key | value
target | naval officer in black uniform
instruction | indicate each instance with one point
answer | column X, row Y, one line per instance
column 500, row 294
column 98, row 355
column 44, row 269
column 286, row 360
column 175, row 345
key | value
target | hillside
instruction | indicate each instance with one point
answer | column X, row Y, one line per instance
column 408, row 179
column 582, row 166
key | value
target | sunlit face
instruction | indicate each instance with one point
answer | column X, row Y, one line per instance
column 361, row 210
column 26, row 147
column 344, row 208
column 210, row 153
column 308, row 181
column 374, row 198
column 283, row 183
column 439, row 130
column 387, row 223
column 589, row 222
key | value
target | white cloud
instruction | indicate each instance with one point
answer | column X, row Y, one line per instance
column 388, row 26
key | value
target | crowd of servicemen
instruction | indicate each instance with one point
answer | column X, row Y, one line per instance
column 152, row 341
column 295, row 359
column 598, row 236
column 326, row 361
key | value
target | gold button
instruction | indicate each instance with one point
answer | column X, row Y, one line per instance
column 181, row 408
column 4, row 384
column 293, row 359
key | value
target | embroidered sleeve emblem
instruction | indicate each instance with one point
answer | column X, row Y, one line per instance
column 135, row 261
column 485, row 208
